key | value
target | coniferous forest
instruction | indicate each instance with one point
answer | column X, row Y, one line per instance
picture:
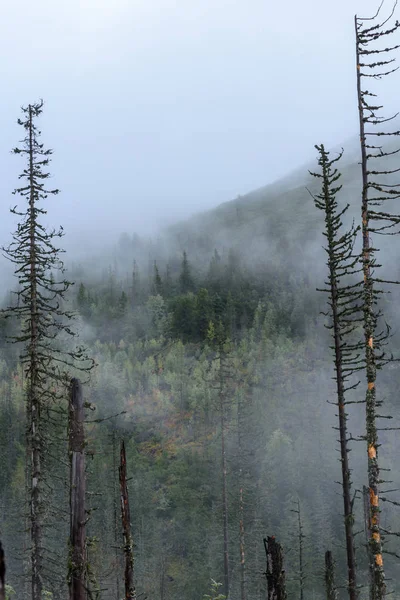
column 211, row 413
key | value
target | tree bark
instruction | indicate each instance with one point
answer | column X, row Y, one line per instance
column 241, row 502
column 78, row 559
column 275, row 573
column 2, row 574
column 116, row 516
column 331, row 591
column 241, row 542
column 130, row 592
column 344, row 451
column 367, row 529
column 301, row 549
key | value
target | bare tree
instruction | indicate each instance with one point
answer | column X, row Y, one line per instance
column 331, row 590
column 300, row 536
column 275, row 572
column 130, row 591
column 373, row 63
column 2, row 574
column 77, row 561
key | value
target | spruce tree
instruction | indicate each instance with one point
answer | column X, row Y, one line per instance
column 157, row 281
column 345, row 299
column 45, row 325
column 185, row 277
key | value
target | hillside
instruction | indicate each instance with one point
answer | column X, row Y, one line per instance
column 154, row 326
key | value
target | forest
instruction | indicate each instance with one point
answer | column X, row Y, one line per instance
column 211, row 413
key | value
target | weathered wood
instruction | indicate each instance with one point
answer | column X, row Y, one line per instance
column 331, row 591
column 130, row 591
column 222, row 408
column 242, row 547
column 275, row 573
column 77, row 566
column 367, row 529
column 301, row 537
column 117, row 527
column 2, row 574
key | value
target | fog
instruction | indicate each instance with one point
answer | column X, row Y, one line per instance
column 156, row 110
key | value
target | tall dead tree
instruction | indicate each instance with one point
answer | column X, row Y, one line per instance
column 223, row 375
column 217, row 337
column 241, row 451
column 275, row 572
column 77, row 540
column 43, row 321
column 130, row 591
column 241, row 545
column 116, row 502
column 300, row 537
column 345, row 300
column 373, row 63
column 331, row 590
column 2, row 574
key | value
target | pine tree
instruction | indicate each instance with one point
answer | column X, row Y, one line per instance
column 44, row 321
column 300, row 536
column 345, row 299
column 185, row 277
column 157, row 282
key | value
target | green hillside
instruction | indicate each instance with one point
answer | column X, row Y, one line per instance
column 157, row 328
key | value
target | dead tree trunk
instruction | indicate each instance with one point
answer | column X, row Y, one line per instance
column 275, row 573
column 77, row 567
column 130, row 592
column 331, row 591
column 301, row 537
column 224, row 489
column 2, row 574
column 241, row 542
column 222, row 377
column 241, row 425
column 367, row 529
column 116, row 516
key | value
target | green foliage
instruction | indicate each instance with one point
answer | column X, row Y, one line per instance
column 214, row 595
column 10, row 592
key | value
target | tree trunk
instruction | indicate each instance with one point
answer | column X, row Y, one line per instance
column 331, row 591
column 240, row 425
column 367, row 529
column 116, row 516
column 241, row 542
column 344, row 451
column 78, row 560
column 224, row 479
column 130, row 592
column 301, row 549
column 375, row 542
column 275, row 573
column 2, row 574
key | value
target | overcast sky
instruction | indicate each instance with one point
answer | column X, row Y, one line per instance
column 156, row 109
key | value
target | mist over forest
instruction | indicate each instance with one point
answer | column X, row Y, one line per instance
column 199, row 331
